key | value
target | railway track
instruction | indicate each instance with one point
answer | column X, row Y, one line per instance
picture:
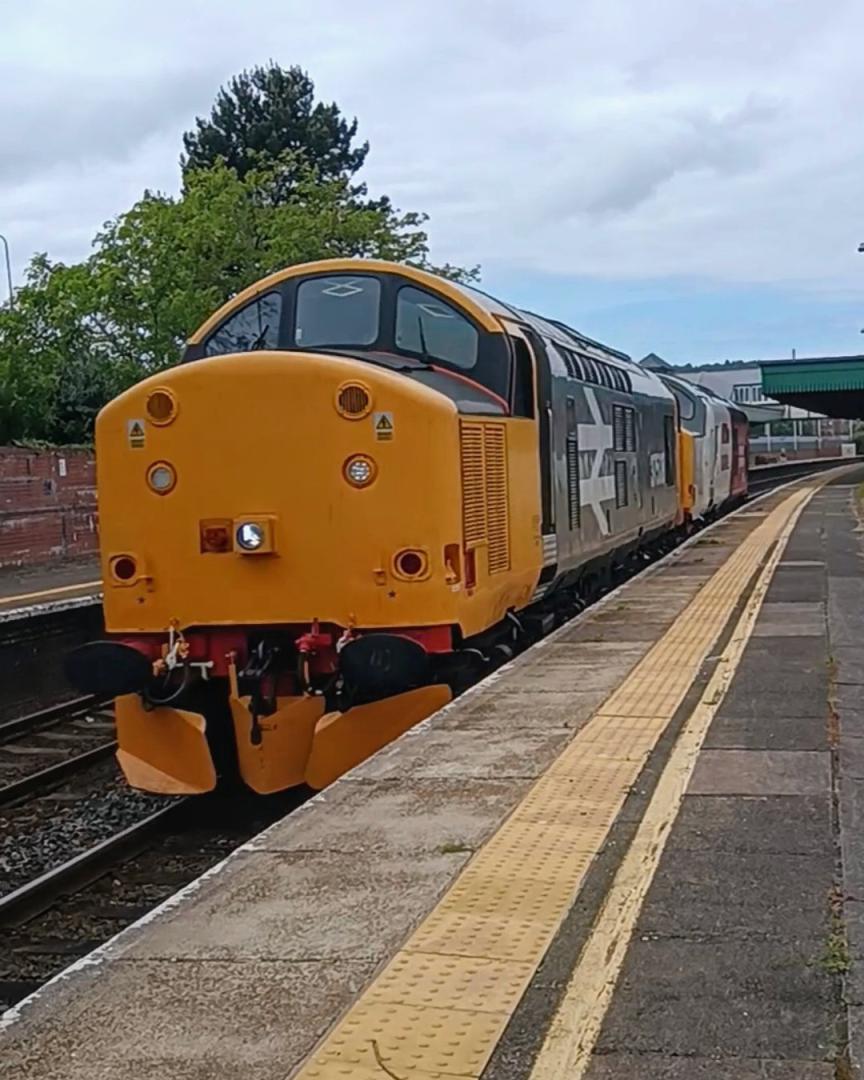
column 43, row 749
column 66, row 911
column 49, row 922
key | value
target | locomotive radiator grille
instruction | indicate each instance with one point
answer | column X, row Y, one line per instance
column 485, row 503
column 473, row 487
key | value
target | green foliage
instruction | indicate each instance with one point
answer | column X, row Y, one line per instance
column 265, row 112
column 267, row 183
column 57, row 365
column 81, row 334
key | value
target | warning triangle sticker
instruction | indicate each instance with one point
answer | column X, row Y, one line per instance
column 384, row 423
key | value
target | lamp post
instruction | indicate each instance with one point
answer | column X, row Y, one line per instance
column 8, row 271
column 860, row 249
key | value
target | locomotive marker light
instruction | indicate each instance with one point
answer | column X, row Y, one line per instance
column 161, row 406
column 161, row 478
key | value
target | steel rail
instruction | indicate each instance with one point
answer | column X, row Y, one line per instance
column 9, row 729
column 40, row 894
column 53, row 774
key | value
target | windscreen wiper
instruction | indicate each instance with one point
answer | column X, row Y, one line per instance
column 259, row 341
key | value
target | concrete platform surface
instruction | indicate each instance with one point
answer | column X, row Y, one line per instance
column 30, row 590
column 634, row 852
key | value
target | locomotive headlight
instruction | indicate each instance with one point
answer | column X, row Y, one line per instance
column 161, row 477
column 250, row 536
column 359, row 470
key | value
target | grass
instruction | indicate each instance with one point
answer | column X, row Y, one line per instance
column 453, row 847
column 835, row 957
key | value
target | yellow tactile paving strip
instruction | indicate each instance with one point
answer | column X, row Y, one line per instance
column 440, row 1006
column 569, row 1043
column 22, row 598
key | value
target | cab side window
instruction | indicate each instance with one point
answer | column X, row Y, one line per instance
column 522, row 385
column 255, row 326
column 430, row 327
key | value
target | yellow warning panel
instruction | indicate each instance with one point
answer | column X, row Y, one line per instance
column 382, row 423
column 135, row 433
column 442, row 1003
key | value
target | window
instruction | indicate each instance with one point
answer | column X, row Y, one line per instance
column 430, row 327
column 686, row 404
column 669, row 448
column 338, row 310
column 724, row 433
column 620, row 484
column 255, row 326
column 807, row 428
column 623, row 429
column 757, row 431
column 590, row 369
column 522, row 391
column 747, row 392
column 780, row 428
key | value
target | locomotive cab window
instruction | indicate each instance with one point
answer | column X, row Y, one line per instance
column 690, row 411
column 433, row 330
column 522, row 386
column 338, row 310
column 255, row 326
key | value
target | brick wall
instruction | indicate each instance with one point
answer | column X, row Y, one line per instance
column 47, row 505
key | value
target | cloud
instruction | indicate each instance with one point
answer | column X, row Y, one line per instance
column 610, row 139
column 106, row 120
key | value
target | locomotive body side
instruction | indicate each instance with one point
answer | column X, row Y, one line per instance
column 612, row 460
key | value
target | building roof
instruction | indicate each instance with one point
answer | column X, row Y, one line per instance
column 653, row 362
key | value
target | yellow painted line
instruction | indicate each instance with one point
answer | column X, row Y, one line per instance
column 566, row 1052
column 441, row 1004
column 49, row 592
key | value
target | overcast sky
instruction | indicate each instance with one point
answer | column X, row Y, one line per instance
column 683, row 176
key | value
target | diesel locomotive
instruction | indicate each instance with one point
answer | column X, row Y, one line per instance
column 364, row 485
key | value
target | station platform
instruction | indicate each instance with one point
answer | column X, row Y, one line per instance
column 634, row 852
column 42, row 589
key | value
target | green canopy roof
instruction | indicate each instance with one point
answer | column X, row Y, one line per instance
column 833, row 385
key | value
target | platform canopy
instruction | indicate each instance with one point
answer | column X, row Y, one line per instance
column 831, row 385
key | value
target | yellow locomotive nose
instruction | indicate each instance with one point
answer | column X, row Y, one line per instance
column 278, row 488
column 270, row 492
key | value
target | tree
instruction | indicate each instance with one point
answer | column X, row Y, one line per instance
column 58, row 368
column 265, row 112
column 80, row 334
column 268, row 182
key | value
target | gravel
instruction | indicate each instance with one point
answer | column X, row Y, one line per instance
column 39, row 834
